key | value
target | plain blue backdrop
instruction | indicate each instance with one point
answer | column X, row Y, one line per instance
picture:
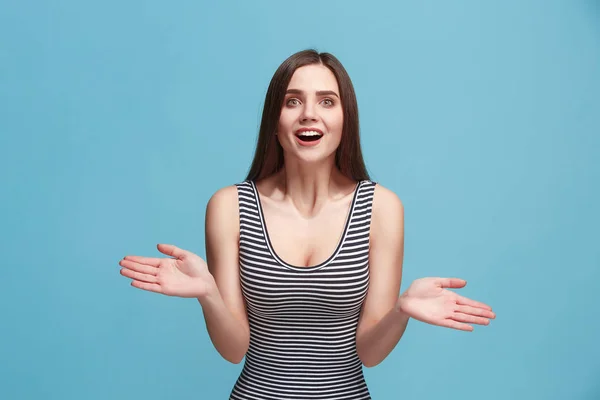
column 118, row 120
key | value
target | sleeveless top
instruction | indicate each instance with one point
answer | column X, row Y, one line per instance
column 303, row 320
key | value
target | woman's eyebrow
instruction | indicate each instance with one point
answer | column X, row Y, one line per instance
column 319, row 92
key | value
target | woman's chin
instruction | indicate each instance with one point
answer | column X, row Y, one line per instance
column 311, row 157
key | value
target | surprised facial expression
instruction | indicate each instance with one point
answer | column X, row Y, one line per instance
column 311, row 121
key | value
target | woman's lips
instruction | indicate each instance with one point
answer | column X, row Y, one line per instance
column 308, row 136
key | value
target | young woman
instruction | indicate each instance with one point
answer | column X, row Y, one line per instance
column 304, row 257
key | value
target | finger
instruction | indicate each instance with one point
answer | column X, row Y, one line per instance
column 172, row 251
column 460, row 317
column 477, row 311
column 151, row 287
column 134, row 266
column 452, row 283
column 468, row 302
column 138, row 276
column 450, row 323
column 154, row 262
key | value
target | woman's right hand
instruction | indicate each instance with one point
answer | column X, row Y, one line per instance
column 184, row 275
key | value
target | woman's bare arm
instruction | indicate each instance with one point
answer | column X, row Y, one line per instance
column 224, row 307
column 381, row 324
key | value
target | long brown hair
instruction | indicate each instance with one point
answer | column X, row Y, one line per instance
column 268, row 156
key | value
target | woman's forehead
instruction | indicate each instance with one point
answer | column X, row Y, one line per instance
column 312, row 78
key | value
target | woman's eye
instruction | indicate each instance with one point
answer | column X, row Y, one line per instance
column 328, row 102
column 292, row 102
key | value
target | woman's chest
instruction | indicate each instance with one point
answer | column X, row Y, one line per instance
column 305, row 242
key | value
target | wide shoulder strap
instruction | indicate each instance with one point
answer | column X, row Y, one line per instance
column 248, row 210
column 360, row 221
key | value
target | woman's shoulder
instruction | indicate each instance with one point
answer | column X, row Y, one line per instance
column 387, row 216
column 230, row 192
column 224, row 200
column 221, row 217
column 224, row 194
column 386, row 203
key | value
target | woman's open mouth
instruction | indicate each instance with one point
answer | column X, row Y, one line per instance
column 306, row 137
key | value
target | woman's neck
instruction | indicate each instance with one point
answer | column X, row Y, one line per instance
column 310, row 187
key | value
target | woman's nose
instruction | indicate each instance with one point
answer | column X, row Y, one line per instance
column 308, row 113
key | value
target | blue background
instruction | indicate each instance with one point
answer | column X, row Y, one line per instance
column 118, row 120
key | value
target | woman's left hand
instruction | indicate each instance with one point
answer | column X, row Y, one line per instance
column 429, row 300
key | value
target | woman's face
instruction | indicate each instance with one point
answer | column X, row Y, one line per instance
column 311, row 120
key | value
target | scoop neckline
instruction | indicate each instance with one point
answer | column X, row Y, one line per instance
column 322, row 264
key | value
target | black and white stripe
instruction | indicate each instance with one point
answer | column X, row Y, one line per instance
column 303, row 320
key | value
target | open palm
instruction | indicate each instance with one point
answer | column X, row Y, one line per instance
column 429, row 300
column 184, row 275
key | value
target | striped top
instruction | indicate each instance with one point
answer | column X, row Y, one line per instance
column 303, row 320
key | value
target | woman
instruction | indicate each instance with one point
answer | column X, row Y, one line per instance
column 304, row 257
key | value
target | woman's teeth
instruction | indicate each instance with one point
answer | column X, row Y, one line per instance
column 309, row 135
